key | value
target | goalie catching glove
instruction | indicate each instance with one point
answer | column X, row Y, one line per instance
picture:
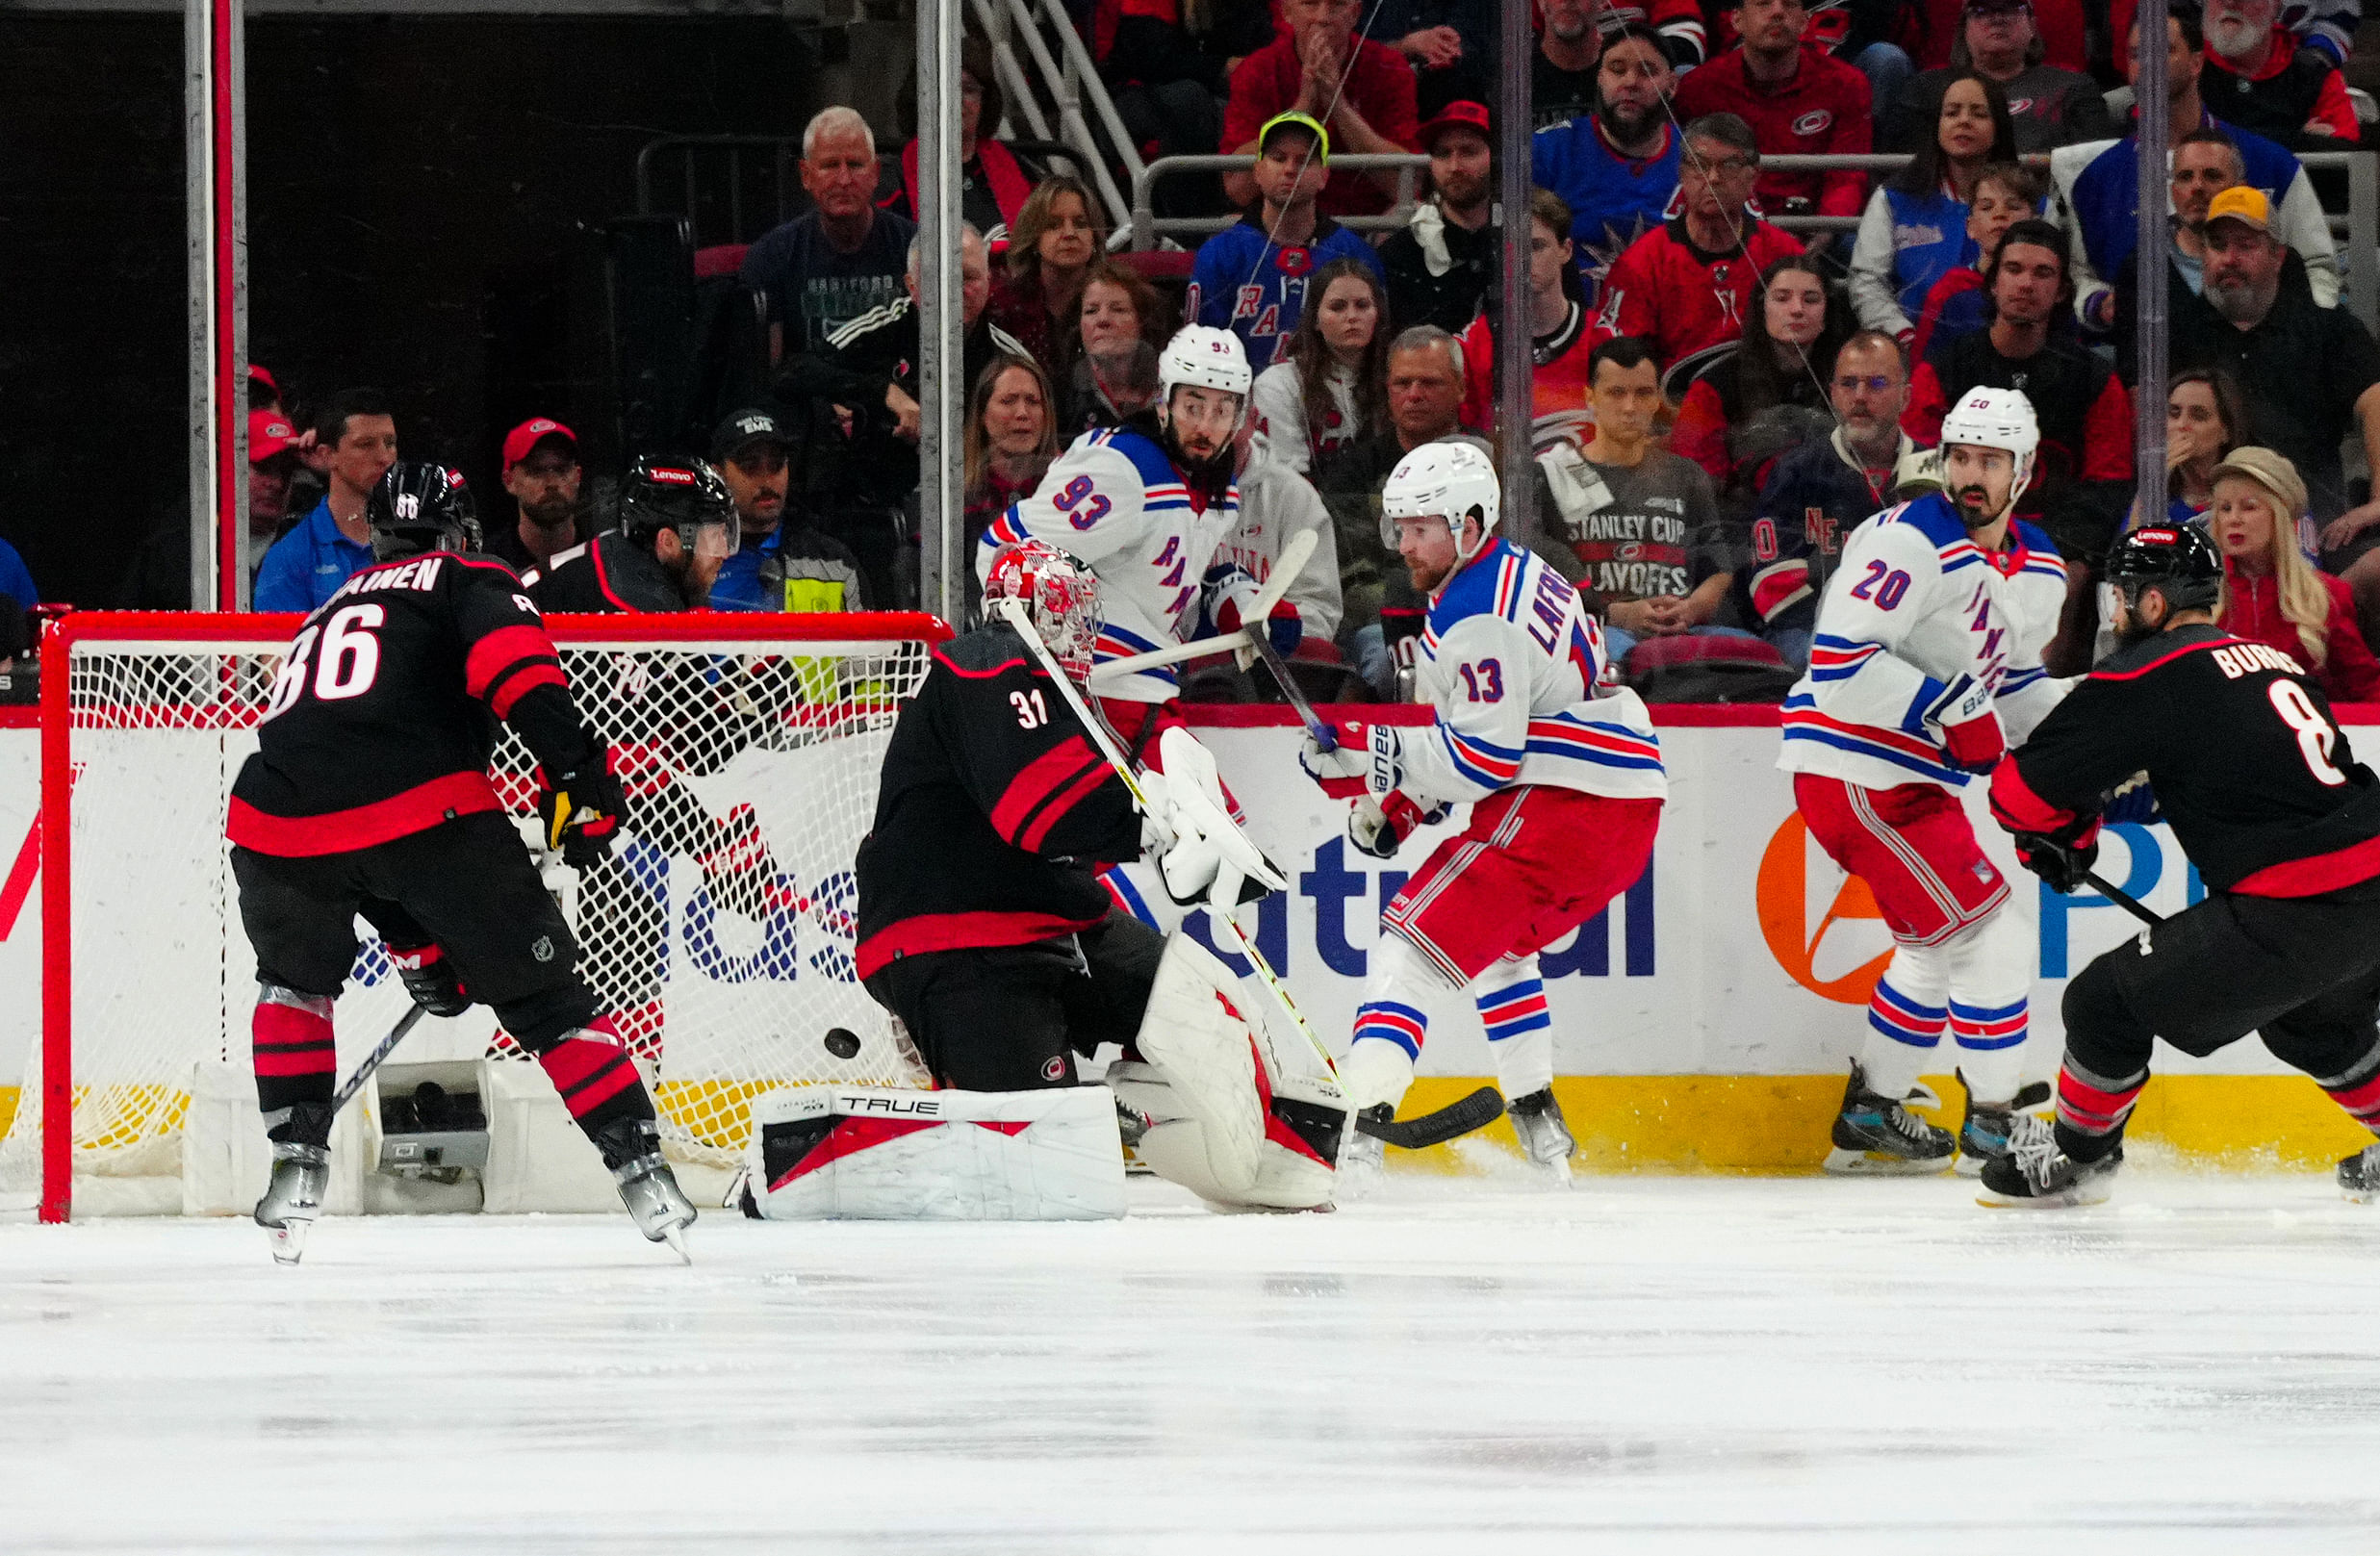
column 1188, row 827
column 580, row 811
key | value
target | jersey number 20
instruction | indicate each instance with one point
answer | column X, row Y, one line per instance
column 350, row 664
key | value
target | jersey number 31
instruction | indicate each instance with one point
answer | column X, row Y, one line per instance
column 350, row 664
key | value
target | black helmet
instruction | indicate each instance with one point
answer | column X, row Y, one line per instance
column 2179, row 559
column 419, row 507
column 672, row 493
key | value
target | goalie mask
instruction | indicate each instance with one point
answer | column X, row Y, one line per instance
column 1061, row 592
column 419, row 507
column 1452, row 481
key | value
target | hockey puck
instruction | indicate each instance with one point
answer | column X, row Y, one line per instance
column 842, row 1044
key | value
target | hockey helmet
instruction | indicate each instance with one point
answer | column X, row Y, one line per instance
column 419, row 507
column 683, row 494
column 1060, row 594
column 1203, row 357
column 1451, row 480
column 2178, row 560
column 1986, row 417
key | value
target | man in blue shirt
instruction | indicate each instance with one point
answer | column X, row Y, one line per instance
column 1252, row 279
column 779, row 564
column 305, row 567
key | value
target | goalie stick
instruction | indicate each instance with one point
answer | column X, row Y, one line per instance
column 1477, row 1111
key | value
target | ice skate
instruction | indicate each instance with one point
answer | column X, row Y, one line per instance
column 632, row 1149
column 2359, row 1176
column 1875, row 1134
column 1537, row 1120
column 1984, row 1134
column 1362, row 1161
column 2037, row 1174
column 300, row 1175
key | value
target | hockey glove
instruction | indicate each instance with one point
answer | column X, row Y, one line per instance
column 1340, row 768
column 1187, row 799
column 2061, row 859
column 581, row 813
column 1379, row 828
column 1229, row 592
column 431, row 979
column 1970, row 726
column 2133, row 802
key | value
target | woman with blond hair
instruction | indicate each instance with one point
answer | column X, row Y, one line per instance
column 1051, row 246
column 2271, row 594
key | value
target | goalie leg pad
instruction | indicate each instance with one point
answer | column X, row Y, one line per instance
column 877, row 1154
column 1198, row 1040
column 1305, row 1121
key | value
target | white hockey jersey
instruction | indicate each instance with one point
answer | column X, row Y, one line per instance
column 1115, row 500
column 1914, row 606
column 1509, row 660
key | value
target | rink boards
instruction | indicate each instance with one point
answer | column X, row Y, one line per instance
column 1703, row 1020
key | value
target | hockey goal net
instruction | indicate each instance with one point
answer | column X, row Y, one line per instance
column 719, row 934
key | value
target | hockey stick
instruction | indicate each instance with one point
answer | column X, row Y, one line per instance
column 1480, row 1109
column 374, row 1060
column 2121, row 897
column 1019, row 618
column 1239, row 640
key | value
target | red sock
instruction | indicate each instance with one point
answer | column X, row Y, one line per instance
column 2361, row 1101
column 589, row 1067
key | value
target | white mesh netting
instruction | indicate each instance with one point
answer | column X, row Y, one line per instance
column 720, row 932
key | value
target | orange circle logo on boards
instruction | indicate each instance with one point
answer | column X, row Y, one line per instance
column 1781, row 894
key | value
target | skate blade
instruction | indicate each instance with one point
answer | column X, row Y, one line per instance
column 1968, row 1166
column 2079, row 1198
column 676, row 1237
column 1557, row 1173
column 289, row 1241
column 1849, row 1163
column 2360, row 1196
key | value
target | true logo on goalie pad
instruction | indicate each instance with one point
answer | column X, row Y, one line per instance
column 866, row 1151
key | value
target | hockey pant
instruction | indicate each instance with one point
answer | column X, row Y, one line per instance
column 2304, row 972
column 1010, row 1018
column 1964, row 956
column 1533, row 864
column 465, row 885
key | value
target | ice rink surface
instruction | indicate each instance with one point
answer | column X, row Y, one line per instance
column 1638, row 1364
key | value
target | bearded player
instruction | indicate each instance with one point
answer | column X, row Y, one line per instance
column 1563, row 777
column 984, row 927
column 369, row 793
column 1146, row 504
column 1926, row 666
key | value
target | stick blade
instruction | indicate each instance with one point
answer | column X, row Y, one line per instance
column 1458, row 1118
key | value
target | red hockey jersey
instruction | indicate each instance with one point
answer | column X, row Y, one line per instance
column 1682, row 297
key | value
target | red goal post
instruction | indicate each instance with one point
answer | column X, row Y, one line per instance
column 734, row 725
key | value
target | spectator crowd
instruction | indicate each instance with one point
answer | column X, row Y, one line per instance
column 1716, row 400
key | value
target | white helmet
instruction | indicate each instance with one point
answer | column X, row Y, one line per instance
column 1203, row 357
column 1996, row 418
column 1445, row 480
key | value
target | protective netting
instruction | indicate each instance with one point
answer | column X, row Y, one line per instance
column 719, row 934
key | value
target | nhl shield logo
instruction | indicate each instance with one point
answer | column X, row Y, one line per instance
column 543, row 950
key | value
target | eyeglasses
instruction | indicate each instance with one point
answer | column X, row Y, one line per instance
column 1715, row 167
column 1875, row 383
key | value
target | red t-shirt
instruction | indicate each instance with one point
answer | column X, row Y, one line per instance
column 1821, row 109
column 1683, row 298
column 1557, row 371
column 1379, row 86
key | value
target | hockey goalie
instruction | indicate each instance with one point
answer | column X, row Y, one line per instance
column 985, row 931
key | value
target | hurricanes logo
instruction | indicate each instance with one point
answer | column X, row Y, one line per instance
column 1810, row 123
column 1784, row 897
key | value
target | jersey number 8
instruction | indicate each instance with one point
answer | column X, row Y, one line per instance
column 351, row 659
column 2317, row 739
